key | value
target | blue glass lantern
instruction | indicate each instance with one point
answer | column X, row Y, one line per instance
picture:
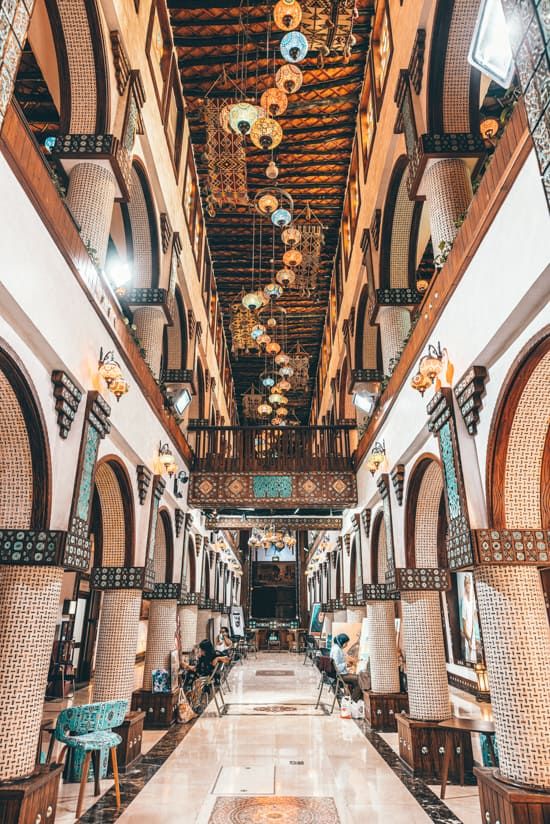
column 268, row 380
column 257, row 330
column 281, row 217
column 242, row 117
column 294, row 47
column 273, row 291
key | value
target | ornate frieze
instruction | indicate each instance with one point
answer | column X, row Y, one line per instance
column 154, row 298
column 98, row 147
column 293, row 522
column 511, row 547
column 414, row 579
column 398, row 297
column 67, row 398
column 440, row 146
column 163, row 592
column 469, row 392
column 112, row 577
column 189, row 598
column 380, row 592
column 32, row 547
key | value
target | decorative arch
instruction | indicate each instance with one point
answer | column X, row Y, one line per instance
column 346, row 409
column 367, row 349
column 25, row 473
column 205, row 584
column 82, row 66
column 163, row 556
column 353, row 566
column 518, row 454
column 425, row 516
column 113, row 517
column 175, row 338
column 453, row 85
column 378, row 555
column 201, row 391
column 190, row 565
column 399, row 239
column 142, row 237
column 338, row 584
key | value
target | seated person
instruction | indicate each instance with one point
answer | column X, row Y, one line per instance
column 206, row 661
column 223, row 641
column 343, row 663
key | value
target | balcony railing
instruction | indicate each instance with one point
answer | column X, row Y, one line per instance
column 259, row 448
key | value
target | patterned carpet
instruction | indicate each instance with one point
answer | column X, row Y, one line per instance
column 279, row 810
column 272, row 709
column 277, row 672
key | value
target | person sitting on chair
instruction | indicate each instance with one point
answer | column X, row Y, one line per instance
column 223, row 641
column 207, row 660
column 342, row 663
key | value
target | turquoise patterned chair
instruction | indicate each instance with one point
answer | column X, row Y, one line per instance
column 87, row 731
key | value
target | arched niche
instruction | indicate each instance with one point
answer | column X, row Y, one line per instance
column 367, row 349
column 175, row 341
column 425, row 516
column 141, row 231
column 113, row 516
column 378, row 555
column 163, row 556
column 399, row 238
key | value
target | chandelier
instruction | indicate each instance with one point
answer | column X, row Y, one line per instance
column 271, row 539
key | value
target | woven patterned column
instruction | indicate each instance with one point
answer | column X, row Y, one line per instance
column 161, row 638
column 203, row 616
column 384, row 665
column 188, row 626
column 340, row 616
column 516, row 640
column 90, row 198
column 395, row 323
column 117, row 644
column 150, row 322
column 355, row 615
column 29, row 603
column 426, row 668
column 448, row 194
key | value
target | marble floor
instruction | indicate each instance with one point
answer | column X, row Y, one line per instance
column 272, row 757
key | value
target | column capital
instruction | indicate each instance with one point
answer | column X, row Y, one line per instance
column 163, row 592
column 422, row 579
column 103, row 150
column 430, row 148
column 113, row 577
column 146, row 298
column 380, row 592
column 511, row 547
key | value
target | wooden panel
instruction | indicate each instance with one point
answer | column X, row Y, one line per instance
column 159, row 707
column 32, row 800
column 381, row 709
column 504, row 803
column 422, row 747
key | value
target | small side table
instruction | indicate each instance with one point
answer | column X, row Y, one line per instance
column 464, row 725
column 49, row 727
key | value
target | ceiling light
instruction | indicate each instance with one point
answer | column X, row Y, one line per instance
column 273, row 348
column 292, row 257
column 242, row 117
column 267, row 203
column 272, row 170
column 285, row 277
column 294, row 47
column 287, row 15
column 264, row 409
column 490, row 50
column 291, row 236
column 282, row 359
column 264, row 339
column 257, row 331
column 266, row 133
column 273, row 291
column 253, row 300
column 286, row 371
column 274, row 101
column 281, row 217
column 289, row 78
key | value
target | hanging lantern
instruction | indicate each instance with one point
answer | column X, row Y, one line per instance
column 267, row 203
column 264, row 339
column 376, row 457
column 291, row 236
column 281, row 217
column 273, row 348
column 253, row 300
column 274, row 101
column 294, row 47
column 242, row 117
column 289, row 78
column 109, row 369
column 285, row 277
column 275, row 397
column 273, row 291
column 257, row 331
column 268, row 379
column 264, row 409
column 276, row 421
column 292, row 257
column 287, row 15
column 286, row 371
column 284, row 385
column 272, row 323
column 266, row 133
column 282, row 359
column 430, row 365
column 420, row 383
column 119, row 387
column 282, row 411
column 272, row 170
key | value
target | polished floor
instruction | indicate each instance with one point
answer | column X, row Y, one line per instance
column 273, row 757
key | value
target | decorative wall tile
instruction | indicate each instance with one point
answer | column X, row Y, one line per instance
column 67, row 398
column 469, row 392
column 144, row 476
column 511, row 547
column 423, row 579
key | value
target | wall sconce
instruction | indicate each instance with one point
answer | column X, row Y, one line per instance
column 167, row 459
column 376, row 457
column 429, row 368
column 109, row 369
column 482, row 679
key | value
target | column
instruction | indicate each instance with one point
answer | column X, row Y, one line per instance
column 448, row 195
column 116, row 644
column 203, row 617
column 395, row 323
column 29, row 604
column 384, row 665
column 340, row 615
column 161, row 638
column 150, row 322
column 90, row 198
column 516, row 639
column 355, row 615
column 188, row 626
column 425, row 650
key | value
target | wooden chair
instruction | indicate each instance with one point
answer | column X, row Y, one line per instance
column 87, row 730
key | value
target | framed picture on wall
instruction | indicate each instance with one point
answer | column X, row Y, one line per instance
column 470, row 634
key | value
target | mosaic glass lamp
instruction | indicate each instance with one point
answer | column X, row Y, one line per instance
column 257, row 331
column 273, row 348
column 287, row 15
column 274, row 101
column 282, row 359
column 285, row 277
column 253, row 300
column 267, row 203
column 281, row 217
column 294, row 47
column 273, row 291
column 292, row 257
column 264, row 409
column 242, row 117
column 286, row 371
column 289, row 78
column 272, row 170
column 268, row 379
column 266, row 133
column 291, row 236
column 275, row 397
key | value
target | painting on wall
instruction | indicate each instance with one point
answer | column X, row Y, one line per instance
column 353, row 631
column 316, row 620
column 470, row 634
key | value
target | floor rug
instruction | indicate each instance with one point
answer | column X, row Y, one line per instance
column 279, row 810
column 276, row 672
column 275, row 709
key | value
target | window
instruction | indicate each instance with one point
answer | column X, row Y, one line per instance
column 173, row 118
column 159, row 48
column 367, row 122
column 381, row 51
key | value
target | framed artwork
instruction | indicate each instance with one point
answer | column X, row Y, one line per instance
column 470, row 633
column 158, row 47
column 236, row 620
column 173, row 118
column 316, row 620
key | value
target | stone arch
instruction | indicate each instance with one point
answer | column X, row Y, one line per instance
column 453, row 85
column 142, row 237
column 175, row 339
column 82, row 66
column 518, row 455
column 367, row 351
column 399, row 238
column 346, row 409
column 163, row 554
column 425, row 516
column 113, row 516
column 25, row 475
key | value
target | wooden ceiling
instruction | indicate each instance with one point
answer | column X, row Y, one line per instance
column 313, row 157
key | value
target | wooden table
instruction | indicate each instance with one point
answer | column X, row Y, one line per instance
column 465, row 725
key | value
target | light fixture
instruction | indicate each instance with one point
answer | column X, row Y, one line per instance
column 273, row 348
column 363, row 401
column 274, row 101
column 264, row 409
column 420, row 383
column 273, row 291
column 287, row 15
column 294, row 47
column 119, row 271
column 376, row 457
column 490, row 50
column 285, row 277
column 291, row 236
column 267, row 203
column 264, row 339
column 286, row 371
column 276, row 421
column 488, row 129
column 182, row 401
column 289, row 78
column 272, row 323
column 167, row 459
column 422, row 285
column 282, row 359
column 242, row 117
column 253, row 300
column 430, row 365
column 281, row 218
column 266, row 133
column 275, row 397
column 268, row 379
column 284, row 385
column 272, row 170
column 282, row 411
column 109, row 369
column 482, row 679
column 257, row 331
column 292, row 257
